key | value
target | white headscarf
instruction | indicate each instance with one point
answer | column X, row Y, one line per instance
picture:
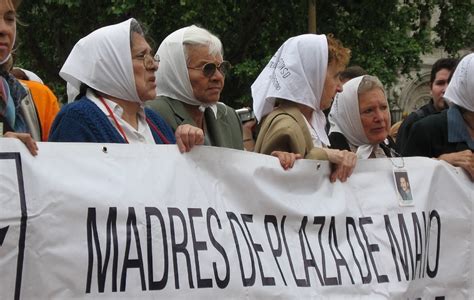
column 344, row 118
column 172, row 77
column 460, row 90
column 32, row 76
column 103, row 61
column 296, row 72
column 72, row 93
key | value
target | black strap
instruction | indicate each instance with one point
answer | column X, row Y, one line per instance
column 390, row 150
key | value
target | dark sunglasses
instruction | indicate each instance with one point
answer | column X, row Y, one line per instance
column 210, row 68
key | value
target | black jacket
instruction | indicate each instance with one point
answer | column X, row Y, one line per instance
column 339, row 141
column 429, row 137
column 404, row 130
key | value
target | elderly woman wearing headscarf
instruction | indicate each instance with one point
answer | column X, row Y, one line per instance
column 290, row 95
column 114, row 70
column 449, row 135
column 190, row 81
column 14, row 117
column 360, row 119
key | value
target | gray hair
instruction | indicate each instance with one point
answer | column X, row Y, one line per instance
column 197, row 36
column 135, row 27
column 369, row 83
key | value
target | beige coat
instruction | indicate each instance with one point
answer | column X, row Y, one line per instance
column 285, row 129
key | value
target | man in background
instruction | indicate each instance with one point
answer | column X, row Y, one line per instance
column 440, row 73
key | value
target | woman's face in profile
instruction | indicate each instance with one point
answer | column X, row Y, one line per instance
column 332, row 85
column 7, row 28
column 374, row 115
column 144, row 75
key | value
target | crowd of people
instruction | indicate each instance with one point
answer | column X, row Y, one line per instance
column 308, row 104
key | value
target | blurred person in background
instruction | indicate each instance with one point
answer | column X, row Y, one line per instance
column 440, row 73
column 352, row 72
column 449, row 135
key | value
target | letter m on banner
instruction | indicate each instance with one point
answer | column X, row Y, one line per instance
column 13, row 217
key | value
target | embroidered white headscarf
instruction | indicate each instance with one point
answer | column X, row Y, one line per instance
column 103, row 61
column 296, row 72
column 172, row 77
column 344, row 118
column 460, row 90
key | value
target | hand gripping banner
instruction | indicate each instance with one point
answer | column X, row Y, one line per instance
column 104, row 221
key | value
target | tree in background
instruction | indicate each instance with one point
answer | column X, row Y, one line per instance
column 386, row 37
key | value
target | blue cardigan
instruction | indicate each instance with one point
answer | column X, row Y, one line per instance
column 82, row 121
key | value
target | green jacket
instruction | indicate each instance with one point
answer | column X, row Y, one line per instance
column 223, row 130
column 284, row 129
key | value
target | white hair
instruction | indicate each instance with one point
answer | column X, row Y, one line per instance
column 197, row 36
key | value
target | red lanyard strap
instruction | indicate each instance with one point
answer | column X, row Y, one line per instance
column 113, row 118
column 150, row 123
column 160, row 134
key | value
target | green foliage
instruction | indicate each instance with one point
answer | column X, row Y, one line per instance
column 383, row 36
column 455, row 28
column 386, row 37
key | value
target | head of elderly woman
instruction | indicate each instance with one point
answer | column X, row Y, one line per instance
column 192, row 69
column 204, row 60
column 361, row 112
column 7, row 28
column 114, row 60
column 373, row 109
column 143, row 62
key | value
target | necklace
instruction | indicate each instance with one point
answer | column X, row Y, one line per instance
column 397, row 162
column 395, row 158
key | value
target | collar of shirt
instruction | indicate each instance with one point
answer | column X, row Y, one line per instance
column 368, row 151
column 314, row 136
column 142, row 135
column 457, row 129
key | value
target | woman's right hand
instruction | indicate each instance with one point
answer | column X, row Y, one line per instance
column 287, row 159
column 26, row 139
column 343, row 163
column 187, row 136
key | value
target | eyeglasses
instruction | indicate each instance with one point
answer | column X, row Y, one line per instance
column 148, row 60
column 210, row 68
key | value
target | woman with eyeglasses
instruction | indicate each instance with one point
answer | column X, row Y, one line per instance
column 289, row 97
column 360, row 119
column 189, row 85
column 114, row 70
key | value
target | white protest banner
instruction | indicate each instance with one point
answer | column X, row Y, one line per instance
column 104, row 221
